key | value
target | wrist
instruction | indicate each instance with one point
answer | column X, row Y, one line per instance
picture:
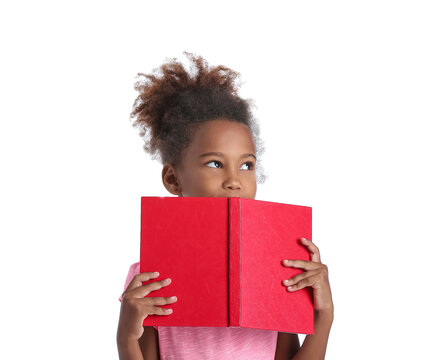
column 326, row 314
column 126, row 342
column 129, row 349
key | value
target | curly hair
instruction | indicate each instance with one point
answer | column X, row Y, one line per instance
column 172, row 104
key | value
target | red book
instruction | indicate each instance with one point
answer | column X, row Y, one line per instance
column 224, row 258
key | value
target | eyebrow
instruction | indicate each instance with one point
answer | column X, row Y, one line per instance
column 222, row 155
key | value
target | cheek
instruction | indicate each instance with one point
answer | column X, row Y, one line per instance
column 251, row 184
column 201, row 180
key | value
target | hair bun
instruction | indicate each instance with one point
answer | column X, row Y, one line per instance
column 172, row 101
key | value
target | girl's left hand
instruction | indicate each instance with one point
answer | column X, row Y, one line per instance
column 315, row 275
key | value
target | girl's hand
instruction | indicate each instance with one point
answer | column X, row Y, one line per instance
column 315, row 275
column 135, row 307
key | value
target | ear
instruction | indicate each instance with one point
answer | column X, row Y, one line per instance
column 170, row 179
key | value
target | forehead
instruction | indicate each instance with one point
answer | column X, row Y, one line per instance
column 224, row 136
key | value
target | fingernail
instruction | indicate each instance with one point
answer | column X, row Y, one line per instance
column 173, row 298
column 285, row 262
column 285, row 282
column 289, row 288
column 156, row 273
column 169, row 311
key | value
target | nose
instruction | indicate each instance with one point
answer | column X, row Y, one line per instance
column 232, row 182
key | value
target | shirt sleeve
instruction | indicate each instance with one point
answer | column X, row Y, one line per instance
column 133, row 270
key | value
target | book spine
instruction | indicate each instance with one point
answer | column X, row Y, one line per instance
column 142, row 209
column 234, row 286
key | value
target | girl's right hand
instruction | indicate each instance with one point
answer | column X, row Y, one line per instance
column 136, row 307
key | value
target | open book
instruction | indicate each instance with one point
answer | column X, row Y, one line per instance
column 224, row 258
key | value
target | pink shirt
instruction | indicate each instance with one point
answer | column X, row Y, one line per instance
column 184, row 343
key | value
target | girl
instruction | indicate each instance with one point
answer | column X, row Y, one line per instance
column 207, row 140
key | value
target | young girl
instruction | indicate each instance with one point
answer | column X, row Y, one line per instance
column 207, row 140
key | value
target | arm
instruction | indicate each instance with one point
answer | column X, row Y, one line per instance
column 129, row 350
column 149, row 343
column 315, row 276
column 314, row 346
column 135, row 341
column 288, row 345
column 146, row 348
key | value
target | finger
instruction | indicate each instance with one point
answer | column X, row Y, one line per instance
column 156, row 310
column 297, row 278
column 152, row 286
column 138, row 280
column 312, row 248
column 302, row 264
column 308, row 281
column 160, row 300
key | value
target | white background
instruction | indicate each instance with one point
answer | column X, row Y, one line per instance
column 346, row 95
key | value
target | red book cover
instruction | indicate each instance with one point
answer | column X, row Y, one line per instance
column 224, row 258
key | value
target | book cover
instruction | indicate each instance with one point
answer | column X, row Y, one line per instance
column 224, row 258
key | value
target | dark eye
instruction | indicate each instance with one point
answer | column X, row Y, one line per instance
column 250, row 165
column 214, row 161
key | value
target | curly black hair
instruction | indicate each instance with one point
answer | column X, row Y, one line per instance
column 172, row 104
